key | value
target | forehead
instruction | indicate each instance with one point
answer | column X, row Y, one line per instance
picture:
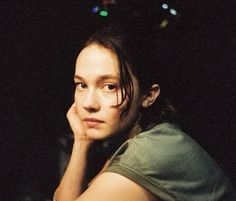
column 97, row 60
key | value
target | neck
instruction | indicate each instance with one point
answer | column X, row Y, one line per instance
column 135, row 130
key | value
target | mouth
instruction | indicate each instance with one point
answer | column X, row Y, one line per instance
column 92, row 122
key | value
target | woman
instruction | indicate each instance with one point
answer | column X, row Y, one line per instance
column 118, row 76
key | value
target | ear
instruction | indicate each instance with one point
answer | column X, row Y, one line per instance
column 150, row 97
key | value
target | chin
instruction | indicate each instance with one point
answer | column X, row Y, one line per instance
column 98, row 135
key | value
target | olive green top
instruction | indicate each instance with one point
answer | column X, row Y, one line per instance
column 172, row 166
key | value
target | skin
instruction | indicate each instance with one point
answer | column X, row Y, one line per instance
column 94, row 116
column 97, row 94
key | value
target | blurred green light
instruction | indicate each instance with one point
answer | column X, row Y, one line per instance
column 103, row 13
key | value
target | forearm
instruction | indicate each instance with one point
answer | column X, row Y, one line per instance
column 71, row 184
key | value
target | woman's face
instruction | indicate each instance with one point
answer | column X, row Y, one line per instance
column 97, row 94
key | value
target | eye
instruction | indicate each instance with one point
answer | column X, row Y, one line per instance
column 80, row 85
column 109, row 87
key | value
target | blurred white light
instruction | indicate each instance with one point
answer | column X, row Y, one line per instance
column 173, row 11
column 165, row 6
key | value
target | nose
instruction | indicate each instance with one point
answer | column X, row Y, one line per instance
column 91, row 101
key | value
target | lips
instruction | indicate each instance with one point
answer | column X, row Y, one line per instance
column 92, row 122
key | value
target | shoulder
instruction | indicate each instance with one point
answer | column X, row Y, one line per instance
column 163, row 144
column 162, row 158
column 163, row 147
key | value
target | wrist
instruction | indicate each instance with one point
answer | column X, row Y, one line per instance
column 82, row 144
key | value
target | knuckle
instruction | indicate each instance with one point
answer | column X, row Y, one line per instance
column 68, row 114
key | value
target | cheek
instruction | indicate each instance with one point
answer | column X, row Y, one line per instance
column 111, row 100
column 117, row 112
column 113, row 117
column 79, row 100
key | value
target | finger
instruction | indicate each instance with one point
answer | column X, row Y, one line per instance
column 75, row 122
column 72, row 109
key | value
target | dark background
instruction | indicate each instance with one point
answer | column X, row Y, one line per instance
column 39, row 44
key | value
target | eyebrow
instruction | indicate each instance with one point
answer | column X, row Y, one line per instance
column 102, row 77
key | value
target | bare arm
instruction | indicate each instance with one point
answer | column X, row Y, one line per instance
column 70, row 186
column 107, row 186
column 114, row 187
